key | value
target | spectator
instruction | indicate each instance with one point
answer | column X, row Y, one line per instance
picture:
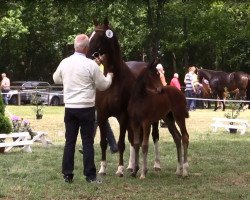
column 80, row 77
column 5, row 87
column 161, row 72
column 175, row 81
column 190, row 90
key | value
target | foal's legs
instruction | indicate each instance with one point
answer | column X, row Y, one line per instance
column 146, row 132
column 155, row 136
column 136, row 144
column 177, row 139
column 185, row 142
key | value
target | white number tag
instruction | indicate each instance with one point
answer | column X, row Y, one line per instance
column 109, row 33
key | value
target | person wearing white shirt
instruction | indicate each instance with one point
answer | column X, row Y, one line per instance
column 80, row 77
column 5, row 87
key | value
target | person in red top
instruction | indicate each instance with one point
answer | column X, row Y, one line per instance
column 175, row 81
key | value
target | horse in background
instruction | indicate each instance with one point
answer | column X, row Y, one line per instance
column 219, row 80
column 113, row 101
column 206, row 93
column 150, row 102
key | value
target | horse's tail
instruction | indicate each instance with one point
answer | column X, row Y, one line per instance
column 187, row 114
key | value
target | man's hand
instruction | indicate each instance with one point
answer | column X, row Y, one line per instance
column 110, row 74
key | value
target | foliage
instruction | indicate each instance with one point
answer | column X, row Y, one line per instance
column 36, row 35
column 21, row 125
column 38, row 104
column 5, row 124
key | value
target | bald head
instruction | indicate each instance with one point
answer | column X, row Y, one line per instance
column 81, row 43
column 176, row 75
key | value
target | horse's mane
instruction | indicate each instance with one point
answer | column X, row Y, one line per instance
column 140, row 86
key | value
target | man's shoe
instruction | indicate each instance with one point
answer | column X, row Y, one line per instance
column 94, row 181
column 68, row 178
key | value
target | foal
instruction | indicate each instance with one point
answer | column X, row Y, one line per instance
column 151, row 102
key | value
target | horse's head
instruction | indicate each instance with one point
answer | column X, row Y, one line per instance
column 103, row 40
column 200, row 75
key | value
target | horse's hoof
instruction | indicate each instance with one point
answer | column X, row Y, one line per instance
column 129, row 169
column 120, row 171
column 142, row 177
column 119, row 174
column 185, row 174
column 178, row 172
column 157, row 169
column 133, row 174
column 102, row 173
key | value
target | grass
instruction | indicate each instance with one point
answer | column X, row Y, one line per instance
column 219, row 165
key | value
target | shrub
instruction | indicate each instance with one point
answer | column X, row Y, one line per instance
column 5, row 124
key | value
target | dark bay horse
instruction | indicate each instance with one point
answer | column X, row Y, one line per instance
column 150, row 102
column 113, row 101
column 220, row 81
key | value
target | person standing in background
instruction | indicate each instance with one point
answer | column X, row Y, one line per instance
column 190, row 90
column 5, row 87
column 175, row 81
column 161, row 72
column 80, row 77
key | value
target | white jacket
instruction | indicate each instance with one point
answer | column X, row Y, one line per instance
column 80, row 77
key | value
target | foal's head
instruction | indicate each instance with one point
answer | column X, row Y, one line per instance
column 149, row 79
column 103, row 40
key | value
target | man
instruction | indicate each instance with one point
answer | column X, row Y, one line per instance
column 5, row 88
column 190, row 89
column 80, row 77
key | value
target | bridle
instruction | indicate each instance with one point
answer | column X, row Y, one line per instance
column 96, row 54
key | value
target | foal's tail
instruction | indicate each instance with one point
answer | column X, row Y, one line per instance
column 187, row 113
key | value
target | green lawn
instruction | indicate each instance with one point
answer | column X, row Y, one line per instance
column 219, row 165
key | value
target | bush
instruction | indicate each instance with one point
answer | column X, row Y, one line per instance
column 5, row 124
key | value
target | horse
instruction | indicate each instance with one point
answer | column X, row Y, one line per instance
column 114, row 101
column 206, row 93
column 150, row 102
column 220, row 81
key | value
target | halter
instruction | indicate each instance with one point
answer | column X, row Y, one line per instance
column 109, row 34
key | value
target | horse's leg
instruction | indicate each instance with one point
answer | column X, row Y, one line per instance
column 146, row 132
column 221, row 97
column 180, row 120
column 136, row 144
column 121, row 147
column 155, row 135
column 177, row 139
column 103, row 143
column 216, row 102
column 131, row 163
